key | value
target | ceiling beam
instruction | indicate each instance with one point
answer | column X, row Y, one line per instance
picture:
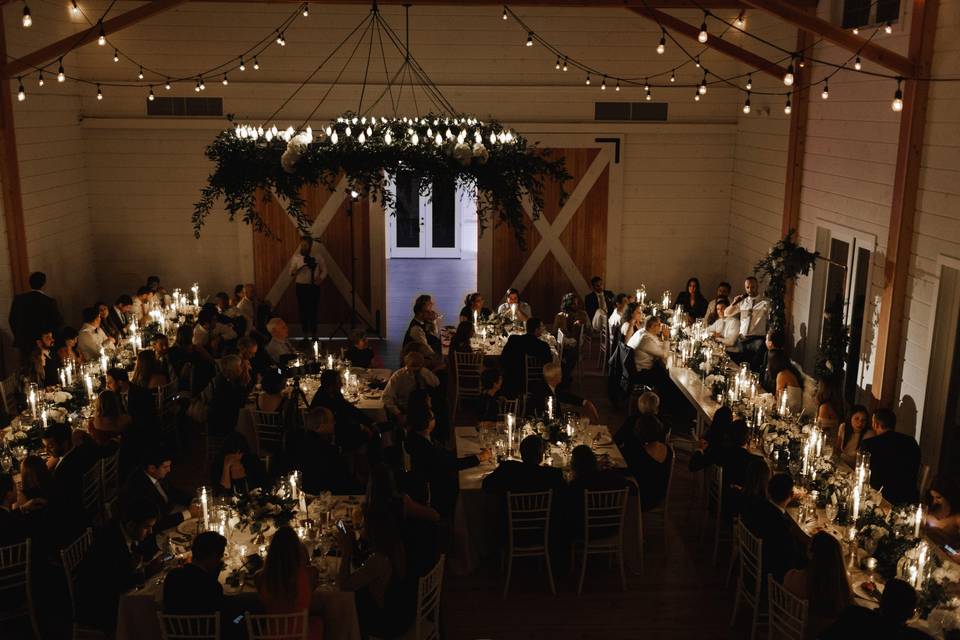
column 796, row 16
column 717, row 44
column 40, row 57
column 555, row 4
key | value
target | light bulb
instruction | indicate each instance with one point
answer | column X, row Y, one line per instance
column 102, row 38
column 617, row 88
column 646, row 86
column 387, row 138
column 588, row 78
column 116, row 56
column 649, row 97
column 21, row 94
column 662, row 46
column 746, row 104
column 203, row 85
column 702, row 89
column 703, row 35
column 897, row 104
column 334, row 137
column 27, row 21
column 167, row 85
column 225, row 81
column 565, row 64
column 61, row 76
column 150, row 96
column 140, row 74
column 40, row 78
column 696, row 61
column 789, row 78
column 256, row 64
column 348, row 131
column 504, row 17
column 243, row 67
column 530, row 39
column 826, row 91
column 741, row 20
column 749, row 82
column 788, row 108
column 99, row 93
column 362, row 137
column 438, row 140
column 74, row 9
column 197, row 87
column 557, row 66
column 888, row 28
column 280, row 39
column 856, row 31
column 414, row 139
column 306, row 9
column 857, row 65
column 673, row 76
column 603, row 84
column 696, row 96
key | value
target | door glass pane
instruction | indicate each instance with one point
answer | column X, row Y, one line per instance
column 888, row 11
column 858, row 302
column 836, row 276
column 856, row 13
column 444, row 214
column 408, row 213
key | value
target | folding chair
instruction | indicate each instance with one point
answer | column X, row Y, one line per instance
column 603, row 515
column 16, row 593
column 429, row 589
column 468, row 367
column 528, row 528
column 787, row 614
column 198, row 627
column 278, row 626
column 749, row 581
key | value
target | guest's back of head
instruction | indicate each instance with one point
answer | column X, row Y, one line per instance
column 780, row 488
column 898, row 602
column 531, row 450
column 583, row 461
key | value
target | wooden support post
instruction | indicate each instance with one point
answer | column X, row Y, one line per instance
column 10, row 182
column 923, row 26
column 677, row 25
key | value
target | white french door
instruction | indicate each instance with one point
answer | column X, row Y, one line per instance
column 427, row 225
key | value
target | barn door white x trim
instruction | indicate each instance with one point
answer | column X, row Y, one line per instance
column 550, row 233
column 336, row 275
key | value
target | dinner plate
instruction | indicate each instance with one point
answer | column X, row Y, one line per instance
column 863, row 594
column 189, row 527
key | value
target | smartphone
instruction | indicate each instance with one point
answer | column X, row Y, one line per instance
column 342, row 527
column 949, row 549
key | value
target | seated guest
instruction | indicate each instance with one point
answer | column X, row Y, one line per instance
column 587, row 476
column 237, row 470
column 13, row 524
column 68, row 464
column 246, row 306
column 274, row 396
column 514, row 355
column 222, row 334
column 432, row 466
column 488, row 409
column 719, row 431
column 43, row 366
column 412, row 376
column 160, row 346
column 527, row 474
column 135, row 400
column 632, row 322
column 473, row 309
column 228, row 398
column 312, row 450
column 109, row 422
column 599, row 299
column 570, row 320
column 615, row 320
column 943, row 515
column 894, row 460
column 723, row 291
column 787, row 379
column 732, row 456
column 90, row 340
column 352, row 426
column 650, row 351
column 769, row 521
column 117, row 561
column 756, row 479
column 149, row 484
column 142, row 306
column 280, row 349
column 254, row 363
column 148, row 373
column 36, row 483
column 194, row 589
column 460, row 342
column 852, row 433
column 513, row 308
column 829, row 407
column 66, row 347
column 118, row 317
column 385, row 592
column 898, row 605
column 822, row 583
column 181, row 353
column 725, row 330
column 423, row 330
column 648, row 458
column 648, row 407
column 359, row 352
column 774, row 342
column 287, row 581
column 537, row 397
column 202, row 341
column 691, row 301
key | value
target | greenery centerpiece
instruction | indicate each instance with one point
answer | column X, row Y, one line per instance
column 786, row 261
column 258, row 509
column 505, row 170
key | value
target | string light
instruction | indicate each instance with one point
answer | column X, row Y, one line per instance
column 741, row 21
column 617, row 88
column 74, row 9
column 702, row 89
column 649, row 97
column 856, row 31
column 530, row 39
column 564, row 63
column 646, row 85
column 61, row 76
column 888, row 28
column 557, row 66
column 203, row 85
column 603, row 84
column 703, row 35
column 788, row 108
column 696, row 96
column 102, row 38
column 588, row 79
column 673, row 76
column 504, row 17
column 27, row 19
column 225, row 81
column 150, row 96
column 897, row 104
column 749, row 81
column 99, row 92
column 662, row 46
column 746, row 104
column 197, row 87
column 825, row 94
column 788, row 78
column 857, row 65
column 256, row 64
column 167, row 84
column 696, row 61
column 243, row 67
column 140, row 74
column 280, row 39
column 116, row 56
column 306, row 9
column 21, row 94
column 40, row 78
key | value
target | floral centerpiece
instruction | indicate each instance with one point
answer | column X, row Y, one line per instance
column 258, row 508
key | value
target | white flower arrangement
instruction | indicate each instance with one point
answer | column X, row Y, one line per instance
column 57, row 397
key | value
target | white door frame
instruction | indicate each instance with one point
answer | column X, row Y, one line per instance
column 426, row 248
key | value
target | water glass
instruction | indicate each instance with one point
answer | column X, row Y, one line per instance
column 830, row 512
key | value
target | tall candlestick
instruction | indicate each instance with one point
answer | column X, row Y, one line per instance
column 330, row 361
column 550, row 407
column 919, row 521
column 316, row 349
column 44, row 416
column 293, row 485
column 104, row 363
column 33, row 400
column 204, row 508
column 513, row 310
column 510, row 420
column 88, row 384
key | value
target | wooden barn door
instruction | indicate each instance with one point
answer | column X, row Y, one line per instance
column 330, row 213
column 566, row 245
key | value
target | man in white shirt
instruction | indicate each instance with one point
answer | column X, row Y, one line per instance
column 308, row 270
column 650, row 350
column 726, row 330
column 247, row 308
column 616, row 319
column 513, row 308
column 142, row 306
column 414, row 375
column 90, row 338
column 279, row 348
column 753, row 310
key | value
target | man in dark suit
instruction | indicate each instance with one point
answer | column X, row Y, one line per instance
column 527, row 475
column 194, row 589
column 433, row 467
column 31, row 311
column 66, row 491
column 540, row 392
column 894, row 459
column 136, row 401
column 149, row 484
column 352, row 425
column 769, row 522
column 598, row 299
column 114, row 564
column 513, row 357
column 115, row 324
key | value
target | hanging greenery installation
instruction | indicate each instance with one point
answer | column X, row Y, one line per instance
column 785, row 262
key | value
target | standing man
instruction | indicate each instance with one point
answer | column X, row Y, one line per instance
column 599, row 299
column 308, row 270
column 754, row 313
column 30, row 311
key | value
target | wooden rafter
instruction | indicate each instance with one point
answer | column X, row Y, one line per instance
column 677, row 25
column 557, row 4
column 51, row 52
column 923, row 27
column 871, row 51
column 10, row 182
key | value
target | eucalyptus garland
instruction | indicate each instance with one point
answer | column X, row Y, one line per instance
column 503, row 168
column 833, row 347
column 786, row 262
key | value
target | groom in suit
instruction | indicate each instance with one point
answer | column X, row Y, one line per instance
column 598, row 299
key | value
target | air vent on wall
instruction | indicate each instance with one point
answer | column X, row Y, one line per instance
column 635, row 111
column 185, row 106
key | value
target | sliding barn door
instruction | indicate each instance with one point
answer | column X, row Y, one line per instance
column 330, row 214
column 566, row 245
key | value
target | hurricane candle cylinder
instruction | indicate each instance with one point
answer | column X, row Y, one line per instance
column 550, row 408
column 330, row 361
column 316, row 350
column 511, row 420
column 104, row 362
column 32, row 398
column 205, row 508
column 918, row 521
